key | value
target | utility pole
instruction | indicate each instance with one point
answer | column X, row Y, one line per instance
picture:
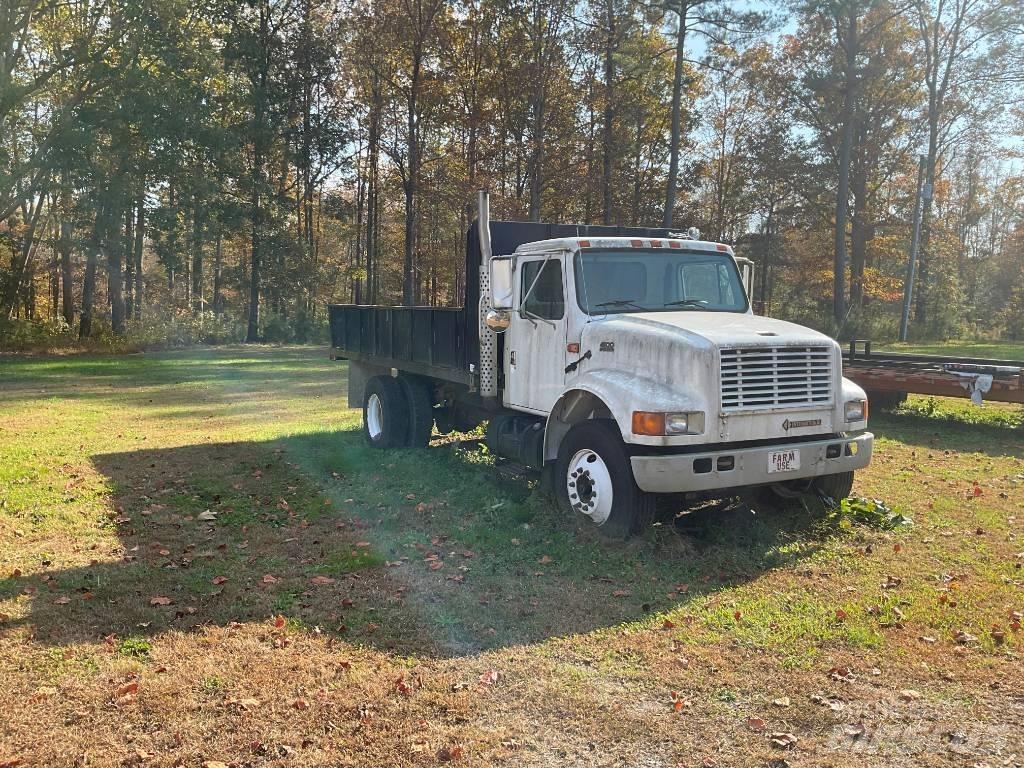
column 908, row 286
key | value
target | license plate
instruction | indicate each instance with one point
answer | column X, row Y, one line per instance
column 784, row 461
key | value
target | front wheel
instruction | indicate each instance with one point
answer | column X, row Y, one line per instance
column 593, row 477
column 836, row 487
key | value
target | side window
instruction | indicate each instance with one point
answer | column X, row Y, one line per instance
column 547, row 300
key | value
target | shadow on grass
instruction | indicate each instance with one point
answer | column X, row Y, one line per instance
column 415, row 551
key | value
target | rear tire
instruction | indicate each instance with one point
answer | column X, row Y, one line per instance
column 420, row 400
column 385, row 413
column 593, row 477
column 836, row 487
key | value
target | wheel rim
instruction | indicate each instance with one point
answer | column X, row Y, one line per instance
column 589, row 484
column 374, row 417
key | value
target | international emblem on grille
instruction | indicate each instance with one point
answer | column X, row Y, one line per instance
column 788, row 425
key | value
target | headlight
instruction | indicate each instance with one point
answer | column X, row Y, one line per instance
column 855, row 410
column 657, row 423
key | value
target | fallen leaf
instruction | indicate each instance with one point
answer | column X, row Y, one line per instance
column 621, row 593
column 206, row 516
column 756, row 724
column 781, row 702
column 321, row 580
column 782, row 740
column 490, row 677
column 132, row 687
column 270, row 579
column 160, row 600
column 300, row 704
column 62, row 600
column 964, row 637
column 214, row 764
column 448, row 754
column 908, row 694
column 219, row 579
column 854, row 730
column 668, row 624
column 891, row 582
column 845, row 674
column 243, row 704
column 279, row 622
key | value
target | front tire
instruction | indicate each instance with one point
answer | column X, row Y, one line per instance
column 593, row 477
column 385, row 413
column 836, row 487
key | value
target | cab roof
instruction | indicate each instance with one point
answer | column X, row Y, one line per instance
column 574, row 244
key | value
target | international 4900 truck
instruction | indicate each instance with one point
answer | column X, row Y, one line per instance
column 622, row 362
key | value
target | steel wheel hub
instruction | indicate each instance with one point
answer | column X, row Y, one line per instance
column 589, row 485
column 374, row 417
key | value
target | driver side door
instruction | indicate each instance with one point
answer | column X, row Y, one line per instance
column 535, row 344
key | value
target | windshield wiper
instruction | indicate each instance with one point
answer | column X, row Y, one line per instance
column 698, row 303
column 620, row 303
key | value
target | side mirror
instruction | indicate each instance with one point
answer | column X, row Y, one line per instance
column 501, row 282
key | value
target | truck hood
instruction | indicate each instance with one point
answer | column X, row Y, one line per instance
column 719, row 329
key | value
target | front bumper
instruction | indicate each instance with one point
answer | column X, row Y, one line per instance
column 677, row 473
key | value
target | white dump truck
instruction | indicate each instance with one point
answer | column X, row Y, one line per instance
column 622, row 362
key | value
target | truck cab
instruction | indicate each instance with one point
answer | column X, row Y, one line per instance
column 624, row 366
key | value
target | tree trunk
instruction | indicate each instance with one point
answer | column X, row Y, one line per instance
column 675, row 134
column 198, row 225
column 845, row 153
column 66, row 275
column 115, row 279
column 860, row 234
column 140, row 236
column 89, row 281
column 608, row 129
column 411, row 180
column 535, row 163
column 256, row 204
column 372, row 165
column 129, row 263
column 218, row 300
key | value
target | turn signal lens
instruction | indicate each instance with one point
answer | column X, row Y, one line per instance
column 648, row 423
column 681, row 423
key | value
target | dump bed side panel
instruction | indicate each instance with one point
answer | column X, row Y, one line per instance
column 426, row 340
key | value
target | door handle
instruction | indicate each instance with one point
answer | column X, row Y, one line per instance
column 512, row 357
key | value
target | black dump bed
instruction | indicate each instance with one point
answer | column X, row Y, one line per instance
column 443, row 342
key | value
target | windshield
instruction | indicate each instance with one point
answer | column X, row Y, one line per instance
column 634, row 280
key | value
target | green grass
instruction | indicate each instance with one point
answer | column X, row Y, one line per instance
column 441, row 558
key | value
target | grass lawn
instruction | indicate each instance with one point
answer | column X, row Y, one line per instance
column 202, row 564
column 997, row 350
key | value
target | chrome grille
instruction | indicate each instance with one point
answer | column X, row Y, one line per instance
column 776, row 377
